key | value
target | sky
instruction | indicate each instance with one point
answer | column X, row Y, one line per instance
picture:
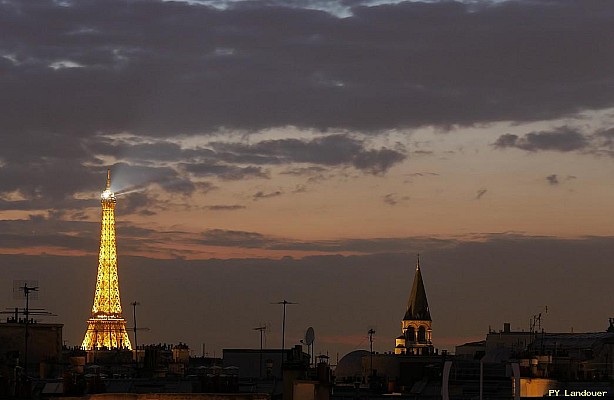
column 308, row 150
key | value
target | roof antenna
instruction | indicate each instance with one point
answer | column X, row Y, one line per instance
column 108, row 178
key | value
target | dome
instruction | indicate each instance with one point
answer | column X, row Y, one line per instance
column 350, row 365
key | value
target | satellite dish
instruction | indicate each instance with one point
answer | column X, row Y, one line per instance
column 310, row 336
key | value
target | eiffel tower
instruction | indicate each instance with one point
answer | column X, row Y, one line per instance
column 106, row 328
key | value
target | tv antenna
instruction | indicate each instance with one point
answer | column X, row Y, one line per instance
column 135, row 329
column 25, row 289
column 371, row 333
column 536, row 321
column 283, row 327
column 262, row 330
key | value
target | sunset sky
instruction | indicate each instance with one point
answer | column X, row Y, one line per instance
column 306, row 150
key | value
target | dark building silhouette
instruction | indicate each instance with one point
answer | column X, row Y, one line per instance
column 44, row 343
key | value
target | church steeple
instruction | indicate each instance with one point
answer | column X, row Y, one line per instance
column 418, row 305
column 416, row 324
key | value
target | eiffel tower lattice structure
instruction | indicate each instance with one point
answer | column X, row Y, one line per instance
column 106, row 328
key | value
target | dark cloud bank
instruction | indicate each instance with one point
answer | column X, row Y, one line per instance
column 500, row 278
column 561, row 139
column 169, row 67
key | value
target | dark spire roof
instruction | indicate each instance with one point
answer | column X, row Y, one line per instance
column 418, row 305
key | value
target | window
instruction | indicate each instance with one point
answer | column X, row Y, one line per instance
column 410, row 334
column 422, row 334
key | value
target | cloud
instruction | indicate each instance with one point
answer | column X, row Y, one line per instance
column 377, row 161
column 205, row 186
column 300, row 189
column 305, row 171
column 75, row 75
column 409, row 178
column 607, row 135
column 137, row 202
column 135, row 149
column 51, row 180
column 553, row 179
column 221, row 207
column 233, row 238
column 392, row 199
column 225, row 172
column 228, row 160
column 313, row 173
column 56, row 181
column 604, row 142
column 50, row 232
column 46, row 231
column 42, row 203
column 266, row 195
column 221, row 237
column 331, row 150
column 561, row 139
column 158, row 67
column 374, row 245
column 480, row 193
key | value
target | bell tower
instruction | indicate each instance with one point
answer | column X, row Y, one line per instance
column 416, row 324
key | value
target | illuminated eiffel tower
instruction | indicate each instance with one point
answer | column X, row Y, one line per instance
column 106, row 327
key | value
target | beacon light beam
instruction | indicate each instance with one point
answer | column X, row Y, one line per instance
column 129, row 191
column 107, row 327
